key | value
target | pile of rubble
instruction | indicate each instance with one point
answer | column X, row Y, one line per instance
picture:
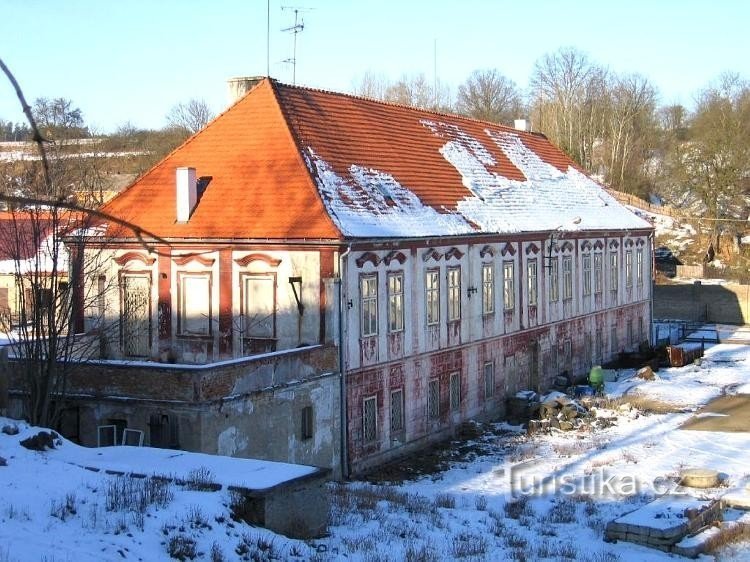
column 560, row 411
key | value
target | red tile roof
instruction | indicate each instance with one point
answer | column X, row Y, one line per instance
column 258, row 150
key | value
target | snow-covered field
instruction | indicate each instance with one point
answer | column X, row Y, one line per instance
column 501, row 496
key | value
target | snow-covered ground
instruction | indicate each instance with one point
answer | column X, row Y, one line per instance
column 501, row 496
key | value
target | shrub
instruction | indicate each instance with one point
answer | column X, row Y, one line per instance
column 181, row 547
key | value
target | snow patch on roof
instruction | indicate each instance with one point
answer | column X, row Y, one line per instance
column 370, row 203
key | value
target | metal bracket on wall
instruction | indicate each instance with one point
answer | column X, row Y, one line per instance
column 296, row 283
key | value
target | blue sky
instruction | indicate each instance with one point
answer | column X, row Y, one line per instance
column 132, row 60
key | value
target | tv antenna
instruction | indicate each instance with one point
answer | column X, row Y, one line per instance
column 296, row 29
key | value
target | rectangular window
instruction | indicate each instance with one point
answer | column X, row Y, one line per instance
column 195, row 304
column 433, row 399
column 395, row 302
column 136, row 315
column 531, row 282
column 631, row 332
column 488, row 289
column 568, row 353
column 368, row 290
column 613, row 344
column 587, row 347
column 614, row 271
column 307, row 423
column 454, row 294
column 489, row 379
column 432, row 296
column 598, row 285
column 509, row 290
column 567, row 277
column 397, row 410
column 586, row 274
column 629, row 268
column 455, row 391
column 554, row 272
column 639, row 266
column 641, row 331
column 259, row 306
column 599, row 345
column 370, row 419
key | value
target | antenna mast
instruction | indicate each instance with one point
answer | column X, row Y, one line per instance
column 298, row 27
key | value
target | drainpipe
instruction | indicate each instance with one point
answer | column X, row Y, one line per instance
column 342, row 375
column 651, row 296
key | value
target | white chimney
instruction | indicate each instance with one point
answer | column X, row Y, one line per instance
column 241, row 85
column 522, row 125
column 187, row 193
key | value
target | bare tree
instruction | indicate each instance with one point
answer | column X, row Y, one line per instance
column 371, row 85
column 191, row 116
column 490, row 96
column 568, row 99
column 45, row 234
column 417, row 91
column 713, row 164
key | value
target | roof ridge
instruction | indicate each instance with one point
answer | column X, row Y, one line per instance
column 186, row 142
column 405, row 106
column 299, row 152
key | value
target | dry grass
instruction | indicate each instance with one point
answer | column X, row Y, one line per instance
column 729, row 534
column 644, row 404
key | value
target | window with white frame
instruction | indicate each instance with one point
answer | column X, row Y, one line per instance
column 433, row 399
column 370, row 419
column 259, row 305
column 586, row 259
column 397, row 410
column 567, row 277
column 554, row 272
column 614, row 272
column 598, row 284
column 432, row 296
column 488, row 289
column 639, row 266
column 368, row 292
column 454, row 294
column 509, row 290
column 489, row 379
column 455, row 391
column 395, row 302
column 194, row 318
column 629, row 268
column 531, row 282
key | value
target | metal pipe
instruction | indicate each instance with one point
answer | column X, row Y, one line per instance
column 342, row 375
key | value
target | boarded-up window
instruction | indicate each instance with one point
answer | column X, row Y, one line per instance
column 163, row 431
column 259, row 306
column 136, row 315
column 370, row 419
column 397, row 410
column 195, row 304
column 489, row 379
column 567, row 277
